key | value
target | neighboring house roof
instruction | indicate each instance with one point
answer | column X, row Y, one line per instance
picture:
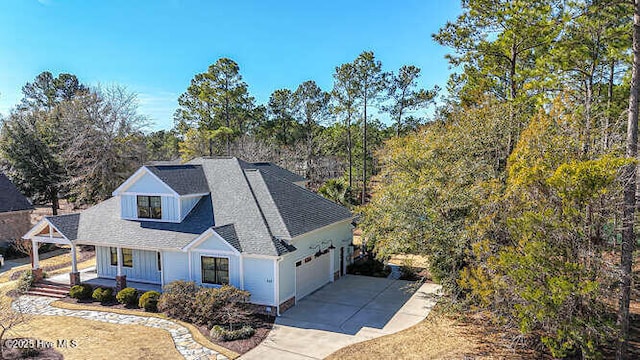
column 273, row 169
column 183, row 179
column 254, row 210
column 10, row 197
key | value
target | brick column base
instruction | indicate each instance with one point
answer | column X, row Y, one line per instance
column 74, row 278
column 37, row 275
column 121, row 282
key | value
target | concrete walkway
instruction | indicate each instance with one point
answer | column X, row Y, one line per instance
column 184, row 342
column 348, row 311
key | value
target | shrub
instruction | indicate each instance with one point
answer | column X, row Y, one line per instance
column 178, row 300
column 128, row 296
column 221, row 333
column 369, row 267
column 104, row 295
column 149, row 301
column 81, row 292
column 25, row 282
column 209, row 303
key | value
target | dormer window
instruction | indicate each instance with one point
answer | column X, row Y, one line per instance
column 149, row 207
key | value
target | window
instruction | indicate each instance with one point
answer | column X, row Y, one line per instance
column 149, row 207
column 114, row 256
column 159, row 261
column 215, row 270
column 127, row 257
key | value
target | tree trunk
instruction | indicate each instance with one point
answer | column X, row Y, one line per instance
column 364, row 154
column 55, row 205
column 628, row 217
column 349, row 149
column 607, row 118
column 587, row 116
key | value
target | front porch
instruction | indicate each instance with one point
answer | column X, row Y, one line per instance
column 90, row 276
column 48, row 230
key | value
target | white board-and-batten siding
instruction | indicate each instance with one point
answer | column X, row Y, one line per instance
column 145, row 265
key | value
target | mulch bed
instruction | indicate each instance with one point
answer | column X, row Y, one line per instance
column 27, row 348
column 263, row 325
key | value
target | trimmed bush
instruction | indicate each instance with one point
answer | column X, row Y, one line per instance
column 104, row 295
column 81, row 292
column 25, row 282
column 128, row 296
column 221, row 333
column 149, row 301
column 178, row 300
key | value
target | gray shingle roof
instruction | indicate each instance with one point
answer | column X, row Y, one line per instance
column 253, row 210
column 183, row 179
column 67, row 224
column 294, row 210
column 234, row 203
column 102, row 224
column 10, row 197
column 274, row 170
column 228, row 233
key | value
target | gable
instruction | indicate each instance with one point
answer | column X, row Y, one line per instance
column 214, row 242
column 149, row 184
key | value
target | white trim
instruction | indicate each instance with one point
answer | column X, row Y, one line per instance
column 194, row 195
column 133, row 178
column 276, row 286
column 190, row 266
column 212, row 251
column 241, row 260
column 143, row 193
column 257, row 256
column 51, row 240
column 151, row 220
column 204, row 236
column 162, row 272
column 34, row 233
column 35, row 255
column 82, row 242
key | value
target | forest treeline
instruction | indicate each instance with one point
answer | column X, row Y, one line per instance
column 68, row 140
column 522, row 191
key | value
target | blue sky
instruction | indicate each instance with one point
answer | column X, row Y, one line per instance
column 156, row 47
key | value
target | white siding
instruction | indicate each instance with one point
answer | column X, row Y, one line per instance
column 150, row 185
column 259, row 280
column 145, row 265
column 129, row 208
column 175, row 266
column 187, row 204
column 341, row 234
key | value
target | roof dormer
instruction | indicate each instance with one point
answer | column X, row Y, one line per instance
column 165, row 193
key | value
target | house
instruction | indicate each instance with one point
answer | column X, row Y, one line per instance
column 213, row 221
column 15, row 212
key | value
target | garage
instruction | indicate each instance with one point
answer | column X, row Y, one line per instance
column 311, row 273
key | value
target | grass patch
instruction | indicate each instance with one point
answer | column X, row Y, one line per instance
column 195, row 332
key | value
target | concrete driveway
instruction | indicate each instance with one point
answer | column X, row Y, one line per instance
column 350, row 310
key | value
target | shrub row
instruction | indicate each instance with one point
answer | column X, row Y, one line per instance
column 127, row 296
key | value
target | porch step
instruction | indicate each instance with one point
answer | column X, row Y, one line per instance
column 49, row 289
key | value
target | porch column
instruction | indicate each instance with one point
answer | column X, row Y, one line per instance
column 37, row 271
column 121, row 280
column 332, row 263
column 74, row 276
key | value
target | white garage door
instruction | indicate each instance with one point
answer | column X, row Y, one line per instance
column 311, row 273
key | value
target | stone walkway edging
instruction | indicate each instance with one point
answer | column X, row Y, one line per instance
column 182, row 339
